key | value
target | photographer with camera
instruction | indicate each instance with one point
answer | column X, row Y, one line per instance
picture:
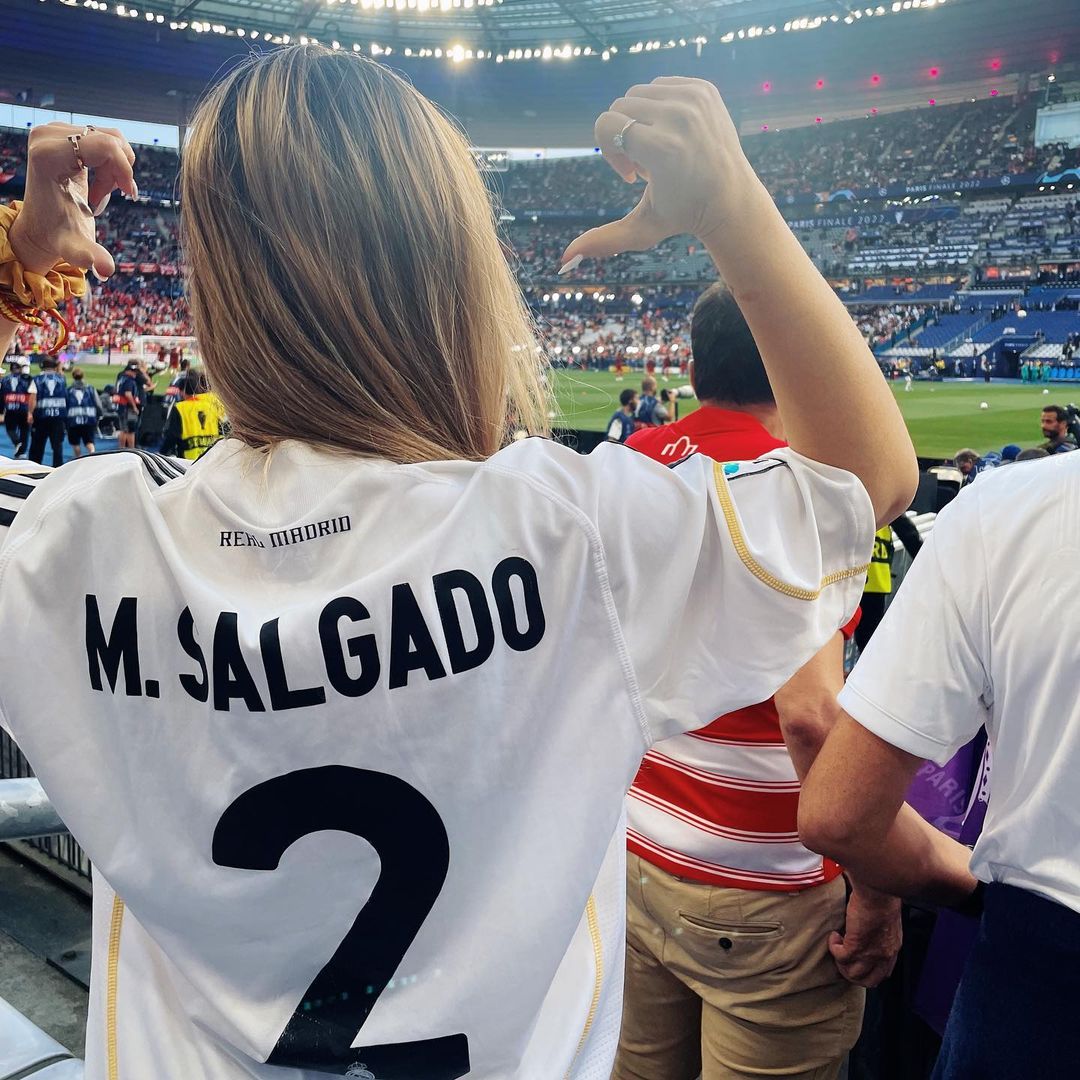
column 1059, row 428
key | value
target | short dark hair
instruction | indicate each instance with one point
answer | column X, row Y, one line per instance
column 1059, row 411
column 193, row 382
column 727, row 364
column 627, row 396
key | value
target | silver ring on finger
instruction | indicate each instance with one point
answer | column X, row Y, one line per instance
column 75, row 140
column 619, row 140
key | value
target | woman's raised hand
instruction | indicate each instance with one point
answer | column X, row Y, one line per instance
column 677, row 135
column 56, row 223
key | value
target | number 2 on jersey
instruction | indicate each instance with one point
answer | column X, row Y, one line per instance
column 410, row 839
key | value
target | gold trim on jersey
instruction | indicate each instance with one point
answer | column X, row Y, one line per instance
column 731, row 518
column 112, row 1065
column 25, row 472
column 598, row 962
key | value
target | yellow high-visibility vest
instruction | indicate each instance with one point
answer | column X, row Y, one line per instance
column 200, row 425
column 879, row 576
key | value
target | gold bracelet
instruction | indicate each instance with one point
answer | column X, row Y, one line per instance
column 37, row 291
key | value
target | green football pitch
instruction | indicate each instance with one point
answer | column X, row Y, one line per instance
column 942, row 417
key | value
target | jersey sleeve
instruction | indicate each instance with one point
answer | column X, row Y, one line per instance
column 18, row 479
column 741, row 574
column 725, row 579
column 938, row 697
column 17, row 482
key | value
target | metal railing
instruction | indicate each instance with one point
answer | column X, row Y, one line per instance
column 24, row 805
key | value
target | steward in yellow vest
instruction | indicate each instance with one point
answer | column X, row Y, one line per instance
column 194, row 423
column 879, row 575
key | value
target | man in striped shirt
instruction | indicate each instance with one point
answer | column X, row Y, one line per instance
column 735, row 962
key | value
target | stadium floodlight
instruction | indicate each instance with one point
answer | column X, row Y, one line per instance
column 637, row 299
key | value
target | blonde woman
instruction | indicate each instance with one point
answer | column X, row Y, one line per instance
column 349, row 758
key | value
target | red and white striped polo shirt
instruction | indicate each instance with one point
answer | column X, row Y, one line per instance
column 720, row 805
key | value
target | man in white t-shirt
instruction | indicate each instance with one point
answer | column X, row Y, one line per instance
column 970, row 626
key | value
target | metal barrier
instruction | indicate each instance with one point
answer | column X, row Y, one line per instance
column 25, row 811
column 56, row 843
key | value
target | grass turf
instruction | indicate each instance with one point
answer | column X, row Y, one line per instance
column 942, row 417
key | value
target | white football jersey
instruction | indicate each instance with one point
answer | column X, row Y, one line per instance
column 348, row 742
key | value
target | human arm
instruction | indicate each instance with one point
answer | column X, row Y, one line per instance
column 898, row 714
column 858, row 817
column 865, row 952
column 700, row 182
column 31, row 403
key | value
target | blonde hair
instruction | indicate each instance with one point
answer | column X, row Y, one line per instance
column 343, row 263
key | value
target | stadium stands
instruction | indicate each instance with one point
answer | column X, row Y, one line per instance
column 907, row 253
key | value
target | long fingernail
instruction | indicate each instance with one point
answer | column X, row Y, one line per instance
column 100, row 208
column 572, row 264
column 93, row 270
column 134, row 190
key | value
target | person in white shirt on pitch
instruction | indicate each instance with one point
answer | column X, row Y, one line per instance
column 971, row 626
column 350, row 758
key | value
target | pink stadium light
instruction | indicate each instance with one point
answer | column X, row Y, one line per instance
column 817, row 119
column 934, row 73
column 931, row 102
column 764, row 127
column 993, row 93
column 875, row 80
column 820, row 84
column 995, row 64
column 766, row 86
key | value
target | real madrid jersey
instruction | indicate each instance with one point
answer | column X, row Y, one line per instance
column 348, row 746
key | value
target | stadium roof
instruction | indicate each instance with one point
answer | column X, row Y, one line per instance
column 501, row 27
column 828, row 62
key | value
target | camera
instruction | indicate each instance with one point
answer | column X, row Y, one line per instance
column 1073, row 423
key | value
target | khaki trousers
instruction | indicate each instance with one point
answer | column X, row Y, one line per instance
column 732, row 982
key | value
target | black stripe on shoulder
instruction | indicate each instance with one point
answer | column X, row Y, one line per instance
column 756, row 472
column 681, row 461
column 167, row 465
column 6, row 517
column 160, row 475
column 14, row 488
column 160, row 469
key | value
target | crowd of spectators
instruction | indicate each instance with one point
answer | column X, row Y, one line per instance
column 591, row 339
column 969, row 140
column 880, row 323
column 961, row 141
column 972, row 139
column 110, row 318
